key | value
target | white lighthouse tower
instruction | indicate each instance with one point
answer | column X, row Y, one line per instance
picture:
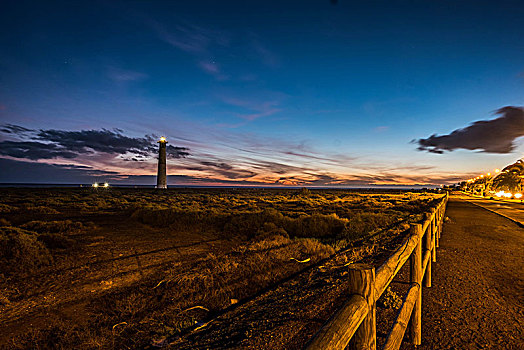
column 161, row 178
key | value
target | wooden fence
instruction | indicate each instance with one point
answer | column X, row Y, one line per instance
column 355, row 323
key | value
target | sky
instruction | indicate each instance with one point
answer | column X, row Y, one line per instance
column 301, row 93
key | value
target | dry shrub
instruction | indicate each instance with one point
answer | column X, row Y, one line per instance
column 268, row 231
column 365, row 222
column 52, row 233
column 312, row 247
column 276, row 244
column 186, row 296
column 318, row 226
column 248, row 225
column 4, row 222
column 5, row 208
column 65, row 226
column 40, row 209
column 21, row 251
column 390, row 300
column 59, row 336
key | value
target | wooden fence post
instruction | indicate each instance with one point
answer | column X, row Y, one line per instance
column 415, row 324
column 427, row 247
column 362, row 282
column 441, row 220
column 437, row 228
column 434, row 237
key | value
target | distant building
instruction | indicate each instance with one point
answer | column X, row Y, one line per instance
column 161, row 177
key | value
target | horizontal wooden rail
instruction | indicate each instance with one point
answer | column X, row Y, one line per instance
column 426, row 259
column 387, row 271
column 341, row 327
column 354, row 324
column 396, row 334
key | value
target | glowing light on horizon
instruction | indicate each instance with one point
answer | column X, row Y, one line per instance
column 95, row 185
column 506, row 194
column 518, row 195
column 106, row 185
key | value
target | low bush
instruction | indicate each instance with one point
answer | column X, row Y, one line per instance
column 20, row 251
column 5, row 208
column 261, row 224
column 65, row 226
column 4, row 222
column 40, row 209
column 318, row 226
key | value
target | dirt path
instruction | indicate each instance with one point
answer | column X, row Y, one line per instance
column 118, row 253
column 477, row 298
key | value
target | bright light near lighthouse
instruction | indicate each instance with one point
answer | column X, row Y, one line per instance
column 95, row 185
column 162, row 139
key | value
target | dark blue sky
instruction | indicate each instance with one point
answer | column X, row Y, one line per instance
column 297, row 92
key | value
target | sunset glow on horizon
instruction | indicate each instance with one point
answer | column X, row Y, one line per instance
column 309, row 93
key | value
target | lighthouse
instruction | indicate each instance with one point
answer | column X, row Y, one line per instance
column 161, row 177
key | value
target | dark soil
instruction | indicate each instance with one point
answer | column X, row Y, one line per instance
column 122, row 254
column 476, row 301
column 117, row 253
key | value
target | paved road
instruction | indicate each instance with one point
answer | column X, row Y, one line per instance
column 477, row 298
column 511, row 209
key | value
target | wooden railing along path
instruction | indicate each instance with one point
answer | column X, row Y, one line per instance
column 355, row 323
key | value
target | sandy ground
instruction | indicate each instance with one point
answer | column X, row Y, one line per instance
column 476, row 301
column 128, row 254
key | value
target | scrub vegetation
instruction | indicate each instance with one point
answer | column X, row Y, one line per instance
column 129, row 268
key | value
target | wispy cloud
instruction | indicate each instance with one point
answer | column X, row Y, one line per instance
column 265, row 55
column 20, row 171
column 14, row 129
column 253, row 109
column 191, row 38
column 212, row 68
column 123, row 76
column 207, row 46
column 381, row 129
column 217, row 157
column 197, row 41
